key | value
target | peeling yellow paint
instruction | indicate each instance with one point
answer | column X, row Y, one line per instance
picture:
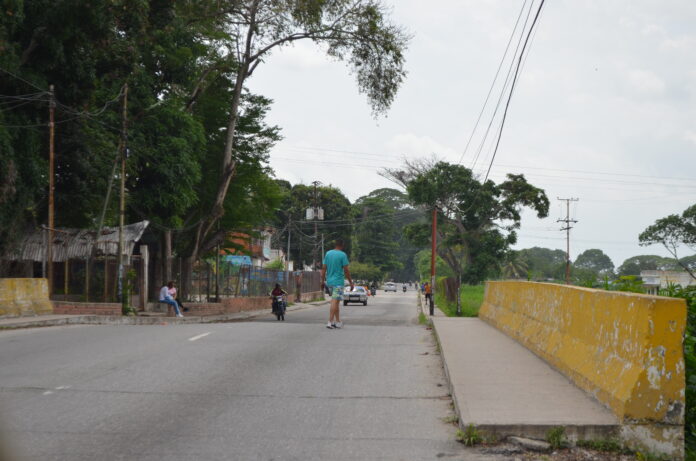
column 624, row 348
column 21, row 297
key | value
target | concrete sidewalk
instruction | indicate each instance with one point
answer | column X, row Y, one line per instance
column 57, row 320
column 504, row 389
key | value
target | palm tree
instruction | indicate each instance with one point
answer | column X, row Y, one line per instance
column 513, row 267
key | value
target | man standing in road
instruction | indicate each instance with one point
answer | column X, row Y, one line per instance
column 333, row 270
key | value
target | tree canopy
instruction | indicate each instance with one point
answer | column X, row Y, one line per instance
column 595, row 262
column 477, row 220
column 672, row 232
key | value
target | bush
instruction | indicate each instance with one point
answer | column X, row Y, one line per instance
column 276, row 264
column 688, row 294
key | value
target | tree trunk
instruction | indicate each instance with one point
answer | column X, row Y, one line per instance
column 167, row 256
column 186, row 277
column 229, row 164
column 459, row 293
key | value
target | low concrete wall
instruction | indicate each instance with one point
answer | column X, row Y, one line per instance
column 229, row 306
column 77, row 308
column 24, row 297
column 311, row 296
column 623, row 348
column 232, row 305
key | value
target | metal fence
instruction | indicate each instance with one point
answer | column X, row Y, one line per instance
column 232, row 280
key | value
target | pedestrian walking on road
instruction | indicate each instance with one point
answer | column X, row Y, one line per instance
column 333, row 273
column 429, row 297
column 165, row 297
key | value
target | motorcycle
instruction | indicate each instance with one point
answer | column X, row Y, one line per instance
column 279, row 306
column 373, row 291
column 404, row 288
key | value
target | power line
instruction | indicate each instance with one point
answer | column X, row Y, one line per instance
column 23, row 80
column 327, row 151
column 495, row 78
column 503, row 89
column 512, row 87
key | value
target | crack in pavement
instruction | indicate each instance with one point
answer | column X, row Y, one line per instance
column 223, row 394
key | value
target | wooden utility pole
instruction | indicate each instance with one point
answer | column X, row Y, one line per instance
column 122, row 205
column 567, row 228
column 314, row 254
column 287, row 255
column 51, row 187
column 433, row 254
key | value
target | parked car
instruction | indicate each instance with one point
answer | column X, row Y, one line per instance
column 390, row 286
column 356, row 295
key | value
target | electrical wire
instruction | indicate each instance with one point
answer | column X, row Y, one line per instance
column 512, row 87
column 503, row 89
column 495, row 79
column 23, row 80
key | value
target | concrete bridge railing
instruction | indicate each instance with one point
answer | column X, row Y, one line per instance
column 623, row 348
column 23, row 297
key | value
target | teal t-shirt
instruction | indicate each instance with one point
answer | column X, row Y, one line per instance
column 335, row 261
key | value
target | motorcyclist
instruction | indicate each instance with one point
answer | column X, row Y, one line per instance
column 279, row 304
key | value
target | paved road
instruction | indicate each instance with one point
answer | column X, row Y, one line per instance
column 256, row 390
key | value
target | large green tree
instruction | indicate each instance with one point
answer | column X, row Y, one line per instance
column 477, row 220
column 180, row 84
column 635, row 264
column 305, row 246
column 375, row 234
column 543, row 263
column 673, row 232
column 595, row 261
column 357, row 32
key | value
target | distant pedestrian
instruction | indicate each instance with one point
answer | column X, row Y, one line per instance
column 165, row 297
column 429, row 297
column 333, row 271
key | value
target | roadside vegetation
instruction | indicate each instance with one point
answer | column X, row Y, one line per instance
column 471, row 298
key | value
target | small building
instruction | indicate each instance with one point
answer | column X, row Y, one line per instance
column 85, row 265
column 257, row 246
column 654, row 280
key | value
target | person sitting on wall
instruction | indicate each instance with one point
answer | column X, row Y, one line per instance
column 172, row 293
column 165, row 297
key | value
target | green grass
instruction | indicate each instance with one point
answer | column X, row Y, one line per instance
column 422, row 319
column 472, row 297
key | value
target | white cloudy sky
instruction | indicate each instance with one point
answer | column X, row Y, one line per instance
column 605, row 111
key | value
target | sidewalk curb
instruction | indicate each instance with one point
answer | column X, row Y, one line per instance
column 125, row 320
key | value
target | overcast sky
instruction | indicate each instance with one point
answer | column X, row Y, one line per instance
column 604, row 111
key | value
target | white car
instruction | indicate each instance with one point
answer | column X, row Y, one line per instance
column 356, row 295
column 390, row 287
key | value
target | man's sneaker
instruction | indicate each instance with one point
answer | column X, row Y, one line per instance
column 330, row 326
column 180, row 316
column 338, row 325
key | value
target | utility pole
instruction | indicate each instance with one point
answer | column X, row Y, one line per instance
column 314, row 256
column 51, row 186
column 433, row 254
column 287, row 253
column 567, row 228
column 122, row 205
column 316, row 214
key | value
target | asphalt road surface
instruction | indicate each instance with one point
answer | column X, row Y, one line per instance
column 255, row 390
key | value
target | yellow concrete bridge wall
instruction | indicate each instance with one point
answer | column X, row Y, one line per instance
column 22, row 297
column 624, row 348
